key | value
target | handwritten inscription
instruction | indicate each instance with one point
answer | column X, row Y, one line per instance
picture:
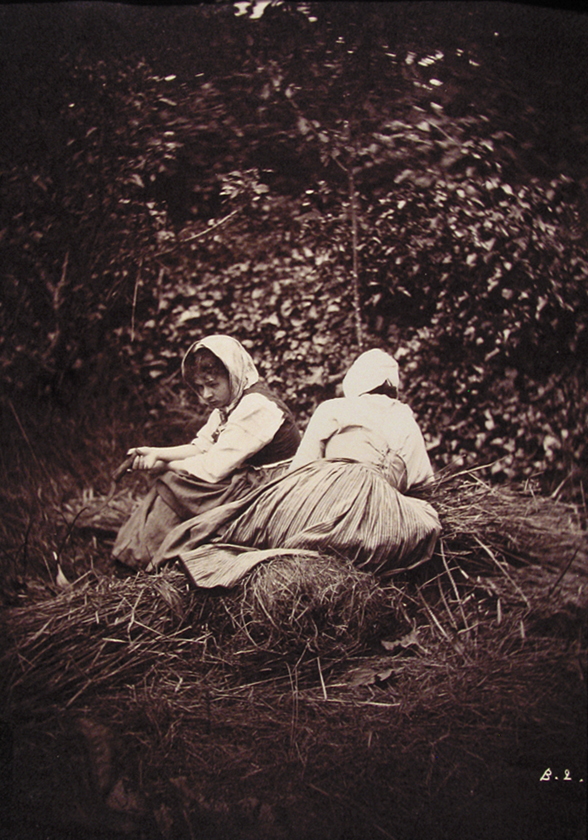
column 549, row 775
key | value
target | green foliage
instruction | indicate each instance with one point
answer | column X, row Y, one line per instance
column 193, row 178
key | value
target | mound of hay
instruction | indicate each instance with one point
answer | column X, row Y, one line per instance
column 296, row 603
column 115, row 632
column 482, row 523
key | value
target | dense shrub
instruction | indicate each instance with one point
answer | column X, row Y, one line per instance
column 309, row 181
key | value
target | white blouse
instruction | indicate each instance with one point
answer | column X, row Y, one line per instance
column 371, row 428
column 225, row 446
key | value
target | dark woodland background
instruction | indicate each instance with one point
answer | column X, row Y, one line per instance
column 307, row 177
column 313, row 179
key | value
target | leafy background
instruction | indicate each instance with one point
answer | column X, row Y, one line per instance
column 310, row 178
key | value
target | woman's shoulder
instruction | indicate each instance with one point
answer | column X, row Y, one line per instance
column 256, row 403
column 261, row 392
column 389, row 410
column 402, row 408
column 404, row 415
column 333, row 406
column 383, row 401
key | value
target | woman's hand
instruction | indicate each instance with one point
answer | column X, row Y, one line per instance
column 147, row 458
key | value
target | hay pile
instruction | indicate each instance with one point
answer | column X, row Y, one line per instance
column 514, row 524
column 314, row 671
column 112, row 632
column 296, row 604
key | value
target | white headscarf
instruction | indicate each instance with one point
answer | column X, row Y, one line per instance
column 242, row 371
column 370, row 370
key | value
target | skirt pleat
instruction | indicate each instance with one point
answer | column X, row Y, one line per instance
column 176, row 498
column 339, row 507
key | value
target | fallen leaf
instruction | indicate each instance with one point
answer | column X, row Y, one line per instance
column 408, row 642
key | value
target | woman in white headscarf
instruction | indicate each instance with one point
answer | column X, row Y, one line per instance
column 344, row 492
column 249, row 437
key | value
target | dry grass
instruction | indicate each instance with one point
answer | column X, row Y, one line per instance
column 112, row 631
column 515, row 523
column 314, row 701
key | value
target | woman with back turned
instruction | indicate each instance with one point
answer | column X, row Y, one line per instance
column 345, row 490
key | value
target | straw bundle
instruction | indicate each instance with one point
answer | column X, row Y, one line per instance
column 96, row 634
column 295, row 603
column 115, row 632
column 517, row 526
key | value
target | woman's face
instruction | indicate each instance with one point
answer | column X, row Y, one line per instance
column 213, row 389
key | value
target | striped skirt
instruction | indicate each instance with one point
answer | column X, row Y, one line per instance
column 340, row 507
column 175, row 498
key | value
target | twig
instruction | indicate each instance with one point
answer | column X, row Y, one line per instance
column 318, row 662
column 355, row 702
column 24, row 434
column 495, row 559
column 562, row 484
column 445, row 604
column 295, row 698
column 455, row 589
column 212, row 227
column 444, row 480
column 355, row 271
column 434, row 617
column 200, row 233
column 135, row 294
column 560, row 578
column 135, row 605
column 39, row 632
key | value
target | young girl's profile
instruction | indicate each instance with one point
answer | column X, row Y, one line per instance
column 249, row 438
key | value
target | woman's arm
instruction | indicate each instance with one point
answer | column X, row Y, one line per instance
column 159, row 458
column 322, row 425
column 156, row 458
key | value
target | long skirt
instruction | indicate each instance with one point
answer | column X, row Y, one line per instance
column 175, row 498
column 339, row 507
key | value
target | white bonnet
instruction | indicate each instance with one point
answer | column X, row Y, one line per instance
column 370, row 370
